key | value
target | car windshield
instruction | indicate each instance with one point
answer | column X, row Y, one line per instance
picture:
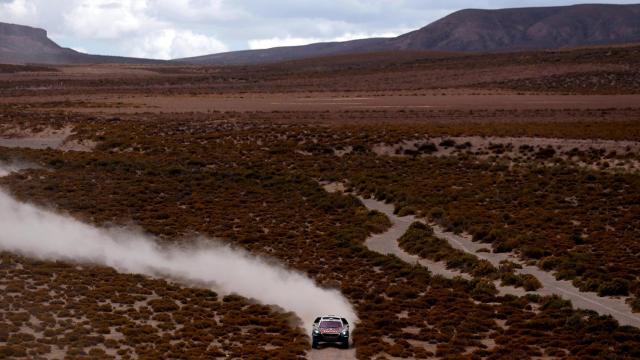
column 330, row 324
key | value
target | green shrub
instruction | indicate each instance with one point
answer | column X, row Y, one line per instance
column 163, row 305
column 615, row 287
column 407, row 210
column 530, row 283
column 506, row 246
column 447, row 143
column 577, row 238
column 549, row 263
column 427, row 148
column 574, row 322
column 534, row 252
column 483, row 268
column 555, row 302
column 634, row 303
column 484, row 290
column 12, row 351
column 546, row 153
column 509, row 279
column 436, row 213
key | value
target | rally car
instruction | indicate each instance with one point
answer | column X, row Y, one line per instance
column 330, row 330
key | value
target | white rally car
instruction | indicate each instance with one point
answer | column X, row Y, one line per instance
column 330, row 329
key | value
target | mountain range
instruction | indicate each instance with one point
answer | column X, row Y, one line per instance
column 471, row 30
column 23, row 45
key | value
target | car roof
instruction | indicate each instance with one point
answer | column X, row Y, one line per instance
column 325, row 318
column 320, row 319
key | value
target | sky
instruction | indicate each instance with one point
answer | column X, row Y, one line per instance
column 169, row 29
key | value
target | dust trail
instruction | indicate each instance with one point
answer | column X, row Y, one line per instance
column 8, row 168
column 35, row 232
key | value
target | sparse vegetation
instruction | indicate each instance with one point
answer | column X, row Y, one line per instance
column 251, row 179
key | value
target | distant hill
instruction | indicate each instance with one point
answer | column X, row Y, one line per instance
column 23, row 45
column 469, row 30
column 528, row 29
column 475, row 31
column 279, row 54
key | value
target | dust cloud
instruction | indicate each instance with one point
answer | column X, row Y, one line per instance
column 39, row 233
column 8, row 168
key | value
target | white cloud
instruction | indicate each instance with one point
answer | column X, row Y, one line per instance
column 18, row 11
column 386, row 34
column 173, row 44
column 196, row 10
column 256, row 44
column 79, row 49
column 107, row 19
column 141, row 28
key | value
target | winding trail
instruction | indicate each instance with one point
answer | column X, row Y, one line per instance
column 615, row 307
column 387, row 244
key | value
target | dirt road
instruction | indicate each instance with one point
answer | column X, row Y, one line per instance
column 387, row 243
column 299, row 102
column 332, row 353
column 615, row 307
column 459, row 100
column 47, row 138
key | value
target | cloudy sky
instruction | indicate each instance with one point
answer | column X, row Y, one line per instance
column 178, row 28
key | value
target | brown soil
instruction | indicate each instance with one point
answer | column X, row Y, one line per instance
column 459, row 100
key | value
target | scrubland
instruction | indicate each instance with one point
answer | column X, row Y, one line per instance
column 251, row 178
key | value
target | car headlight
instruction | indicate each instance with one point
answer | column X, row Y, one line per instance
column 345, row 332
column 316, row 332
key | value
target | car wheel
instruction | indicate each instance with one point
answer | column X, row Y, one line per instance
column 345, row 345
column 314, row 344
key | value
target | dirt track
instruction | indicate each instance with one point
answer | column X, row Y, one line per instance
column 386, row 243
column 462, row 99
column 551, row 286
column 49, row 138
column 331, row 353
column 585, row 300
